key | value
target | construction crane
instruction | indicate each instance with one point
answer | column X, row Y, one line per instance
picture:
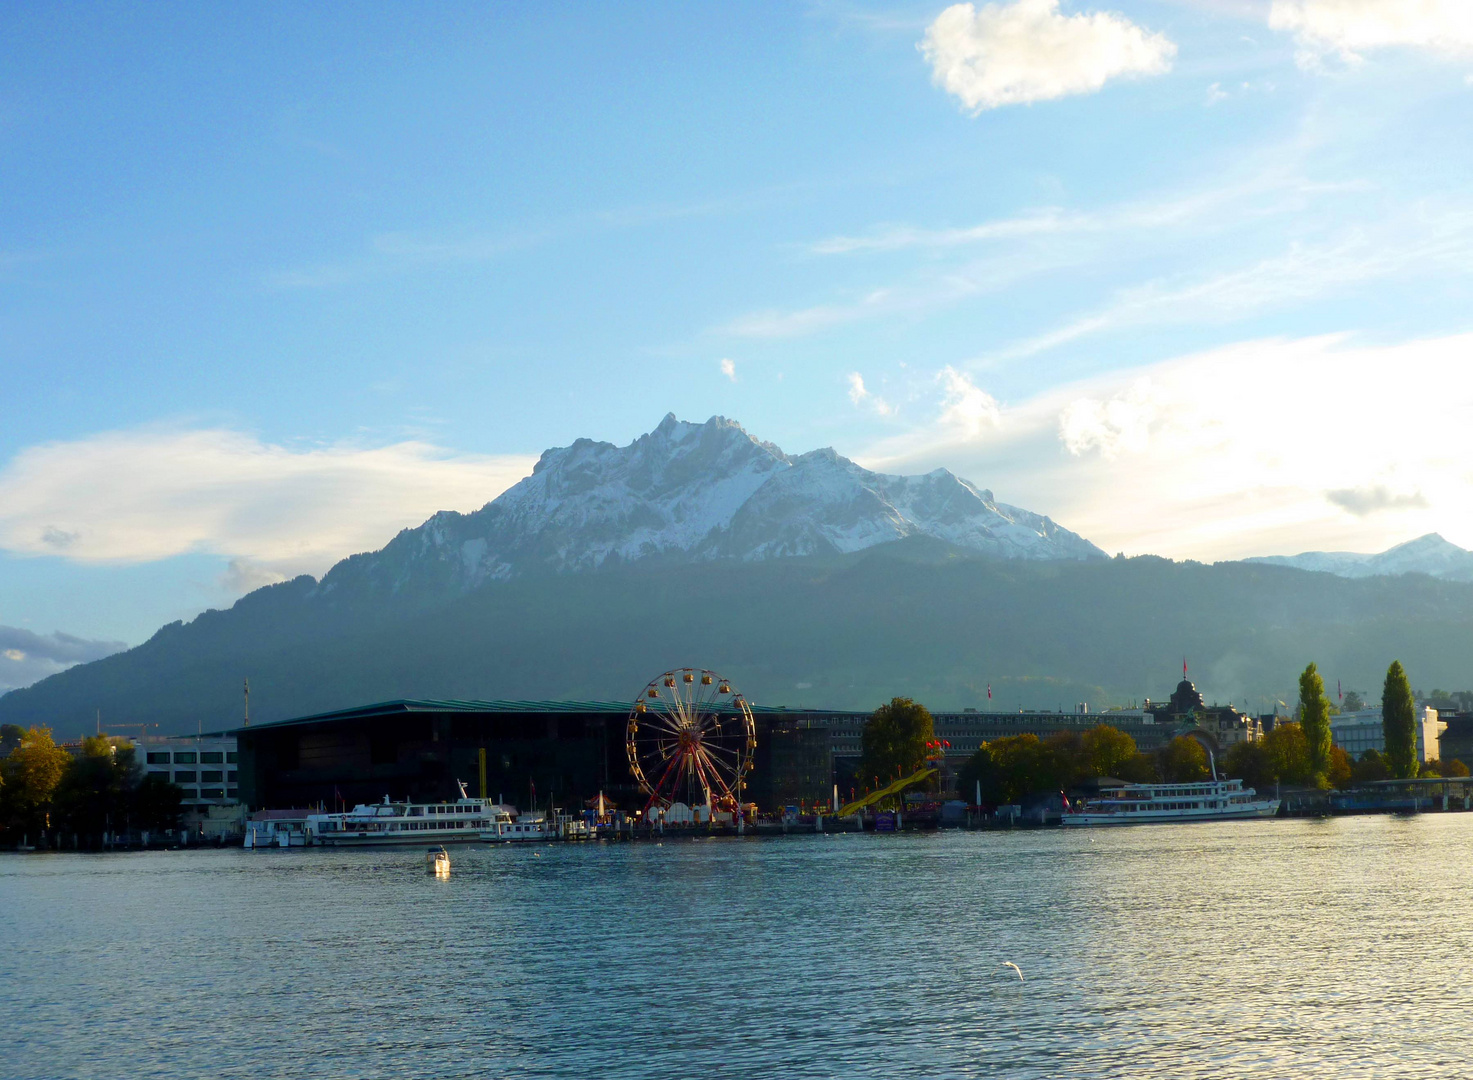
column 142, row 728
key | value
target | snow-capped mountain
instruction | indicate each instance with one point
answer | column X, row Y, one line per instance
column 1430, row 554
column 696, row 492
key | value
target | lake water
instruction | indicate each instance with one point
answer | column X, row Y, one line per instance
column 1335, row 948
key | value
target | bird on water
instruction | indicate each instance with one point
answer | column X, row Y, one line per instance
column 1015, row 967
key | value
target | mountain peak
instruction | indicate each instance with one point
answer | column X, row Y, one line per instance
column 1429, row 542
column 1430, row 554
column 699, row 492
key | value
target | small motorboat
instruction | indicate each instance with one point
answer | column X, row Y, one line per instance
column 437, row 861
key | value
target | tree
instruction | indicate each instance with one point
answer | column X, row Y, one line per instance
column 894, row 740
column 1340, row 769
column 157, row 804
column 1287, row 751
column 1140, row 769
column 1353, row 702
column 1399, row 723
column 1108, row 751
column 31, row 774
column 10, row 737
column 1184, row 761
column 1249, row 762
column 1452, row 768
column 1013, row 767
column 1370, row 767
column 1314, row 718
column 95, row 793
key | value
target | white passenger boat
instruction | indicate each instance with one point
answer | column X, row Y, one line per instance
column 1140, row 804
column 505, row 828
column 457, row 822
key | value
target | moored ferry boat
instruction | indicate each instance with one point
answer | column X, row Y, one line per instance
column 388, row 822
column 525, row 828
column 1140, row 804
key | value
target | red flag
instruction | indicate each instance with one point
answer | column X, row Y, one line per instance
column 1183, row 667
column 989, row 691
column 1338, row 694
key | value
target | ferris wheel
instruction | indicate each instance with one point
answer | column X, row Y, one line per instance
column 690, row 739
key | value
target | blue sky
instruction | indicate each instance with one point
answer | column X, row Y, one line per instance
column 1192, row 277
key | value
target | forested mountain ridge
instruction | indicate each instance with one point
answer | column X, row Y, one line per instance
column 917, row 617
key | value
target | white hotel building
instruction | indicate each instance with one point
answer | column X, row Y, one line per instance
column 1357, row 732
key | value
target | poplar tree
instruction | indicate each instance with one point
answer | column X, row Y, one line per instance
column 1314, row 718
column 1399, row 723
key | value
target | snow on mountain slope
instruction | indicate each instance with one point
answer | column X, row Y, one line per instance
column 696, row 492
column 1430, row 554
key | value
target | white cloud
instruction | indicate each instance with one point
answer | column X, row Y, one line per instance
column 1012, row 54
column 1256, row 448
column 143, row 495
column 1118, row 425
column 1346, row 28
column 728, row 369
column 965, row 405
column 860, row 395
column 1216, row 93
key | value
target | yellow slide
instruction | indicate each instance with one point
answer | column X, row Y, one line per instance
column 875, row 797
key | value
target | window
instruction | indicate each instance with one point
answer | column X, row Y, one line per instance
column 232, row 776
column 184, row 757
column 189, row 793
column 233, row 793
column 211, row 793
column 184, row 776
column 158, row 758
column 162, row 774
column 230, row 756
column 211, row 776
column 212, row 757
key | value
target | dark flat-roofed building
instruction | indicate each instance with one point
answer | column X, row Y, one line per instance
column 568, row 750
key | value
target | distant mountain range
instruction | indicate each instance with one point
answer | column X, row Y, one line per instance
column 1430, row 554
column 806, row 579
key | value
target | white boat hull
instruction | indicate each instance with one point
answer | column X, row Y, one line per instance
column 395, row 839
column 1265, row 809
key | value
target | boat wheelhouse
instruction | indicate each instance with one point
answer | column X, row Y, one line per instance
column 1141, row 804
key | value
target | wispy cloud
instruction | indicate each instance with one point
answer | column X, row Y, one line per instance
column 1303, row 272
column 143, row 495
column 1040, row 241
column 903, row 236
column 1026, row 51
column 399, row 251
column 728, row 368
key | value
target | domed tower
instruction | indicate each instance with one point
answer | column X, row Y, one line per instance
column 1186, row 699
